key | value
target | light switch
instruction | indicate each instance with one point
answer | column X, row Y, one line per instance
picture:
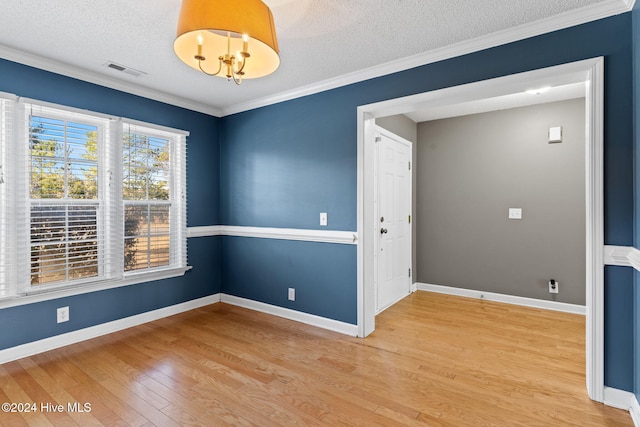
column 555, row 134
column 515, row 213
column 323, row 218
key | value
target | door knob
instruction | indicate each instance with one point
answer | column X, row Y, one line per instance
column 383, row 231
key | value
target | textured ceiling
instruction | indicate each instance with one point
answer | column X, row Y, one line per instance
column 319, row 40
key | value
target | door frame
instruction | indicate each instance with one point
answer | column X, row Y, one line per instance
column 590, row 71
column 377, row 130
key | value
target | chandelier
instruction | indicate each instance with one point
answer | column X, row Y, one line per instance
column 233, row 39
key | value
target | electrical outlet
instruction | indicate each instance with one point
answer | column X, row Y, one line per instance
column 63, row 314
column 553, row 286
column 515, row 213
column 292, row 294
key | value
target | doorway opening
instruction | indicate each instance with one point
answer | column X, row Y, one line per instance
column 591, row 73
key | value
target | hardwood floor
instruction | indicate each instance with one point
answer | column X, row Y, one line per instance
column 434, row 360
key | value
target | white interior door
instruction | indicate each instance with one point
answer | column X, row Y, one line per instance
column 393, row 251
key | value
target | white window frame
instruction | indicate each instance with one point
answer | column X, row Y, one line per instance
column 177, row 191
column 103, row 200
column 15, row 205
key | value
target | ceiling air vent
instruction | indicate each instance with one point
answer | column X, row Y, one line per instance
column 128, row 70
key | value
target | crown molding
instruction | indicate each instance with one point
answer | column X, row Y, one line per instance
column 67, row 70
column 558, row 22
column 543, row 26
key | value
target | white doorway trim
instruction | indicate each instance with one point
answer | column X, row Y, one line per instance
column 590, row 71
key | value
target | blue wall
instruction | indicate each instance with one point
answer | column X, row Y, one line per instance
column 636, row 334
column 636, row 123
column 283, row 164
column 32, row 322
column 263, row 269
column 618, row 314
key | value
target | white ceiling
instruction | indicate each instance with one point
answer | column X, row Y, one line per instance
column 323, row 43
column 504, row 102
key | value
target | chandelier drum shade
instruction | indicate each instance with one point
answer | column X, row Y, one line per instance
column 230, row 39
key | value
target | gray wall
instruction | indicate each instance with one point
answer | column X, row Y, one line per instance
column 401, row 125
column 471, row 170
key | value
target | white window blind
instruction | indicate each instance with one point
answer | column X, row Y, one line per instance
column 86, row 199
column 153, row 193
column 68, row 196
column 8, row 267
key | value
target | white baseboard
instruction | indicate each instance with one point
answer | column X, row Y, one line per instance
column 618, row 398
column 51, row 343
column 40, row 346
column 509, row 299
column 298, row 316
column 623, row 400
column 635, row 411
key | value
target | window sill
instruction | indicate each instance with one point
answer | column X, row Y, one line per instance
column 51, row 294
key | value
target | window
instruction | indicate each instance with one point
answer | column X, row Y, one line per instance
column 64, row 202
column 150, row 199
column 88, row 199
